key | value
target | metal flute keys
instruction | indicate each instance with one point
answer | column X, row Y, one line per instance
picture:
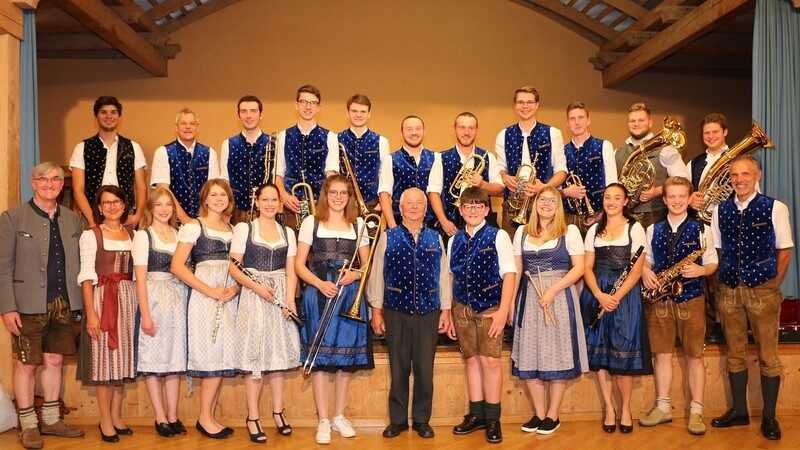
column 277, row 301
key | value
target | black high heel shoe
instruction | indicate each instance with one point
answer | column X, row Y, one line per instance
column 163, row 429
column 218, row 435
column 256, row 437
column 124, row 431
column 285, row 429
column 610, row 428
column 626, row 428
column 113, row 438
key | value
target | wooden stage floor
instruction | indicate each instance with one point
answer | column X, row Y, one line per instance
column 571, row 435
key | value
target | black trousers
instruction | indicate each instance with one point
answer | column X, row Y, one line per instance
column 411, row 341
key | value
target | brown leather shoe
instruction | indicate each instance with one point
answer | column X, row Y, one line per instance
column 31, row 438
column 61, row 428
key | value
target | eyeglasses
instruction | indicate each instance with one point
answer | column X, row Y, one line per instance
column 546, row 200
column 476, row 207
column 107, row 203
column 338, row 193
column 525, row 102
column 312, row 103
column 45, row 180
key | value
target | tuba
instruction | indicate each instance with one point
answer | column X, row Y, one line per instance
column 372, row 222
column 668, row 285
column 518, row 201
column 575, row 203
column 270, row 165
column 348, row 172
column 638, row 171
column 464, row 177
column 307, row 207
column 716, row 186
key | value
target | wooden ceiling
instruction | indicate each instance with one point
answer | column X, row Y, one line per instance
column 706, row 37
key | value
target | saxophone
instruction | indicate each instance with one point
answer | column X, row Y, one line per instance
column 668, row 285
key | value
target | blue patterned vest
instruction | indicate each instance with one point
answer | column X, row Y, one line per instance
column 246, row 167
column 539, row 147
column 748, row 243
column 157, row 260
column 698, row 164
column 412, row 271
column 365, row 159
column 209, row 248
column 187, row 174
column 587, row 162
column 263, row 257
column 305, row 158
column 476, row 270
column 451, row 164
column 407, row 174
column 332, row 249
column 94, row 158
column 667, row 254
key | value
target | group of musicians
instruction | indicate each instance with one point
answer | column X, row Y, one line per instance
column 600, row 260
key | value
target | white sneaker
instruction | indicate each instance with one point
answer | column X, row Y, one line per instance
column 324, row 432
column 343, row 427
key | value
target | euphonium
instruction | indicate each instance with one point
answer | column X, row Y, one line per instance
column 464, row 177
column 716, row 186
column 348, row 172
column 307, row 207
column 270, row 165
column 575, row 203
column 637, row 171
column 519, row 201
column 668, row 285
column 332, row 304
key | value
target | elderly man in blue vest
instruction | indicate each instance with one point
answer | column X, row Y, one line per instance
column 247, row 160
column 184, row 165
column 108, row 158
column 39, row 264
column 409, row 292
column 754, row 238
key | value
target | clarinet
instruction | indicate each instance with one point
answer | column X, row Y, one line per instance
column 618, row 283
column 276, row 300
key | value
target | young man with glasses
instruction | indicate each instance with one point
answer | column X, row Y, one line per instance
column 529, row 142
column 39, row 265
column 483, row 271
column 307, row 153
column 184, row 165
column 108, row 158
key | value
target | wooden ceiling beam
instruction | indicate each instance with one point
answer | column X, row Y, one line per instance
column 165, row 8
column 706, row 17
column 628, row 7
column 144, row 20
column 11, row 20
column 197, row 14
column 90, row 41
column 55, row 20
column 648, row 20
column 168, row 51
column 570, row 14
column 102, row 21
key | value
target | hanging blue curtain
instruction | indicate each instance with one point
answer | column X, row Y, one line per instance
column 776, row 106
column 28, row 109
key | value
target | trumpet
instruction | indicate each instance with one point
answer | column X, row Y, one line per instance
column 348, row 172
column 270, row 166
column 374, row 223
column 277, row 301
column 307, row 207
column 464, row 177
column 518, row 201
column 576, row 204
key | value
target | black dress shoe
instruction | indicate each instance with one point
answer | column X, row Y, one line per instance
column 113, row 438
column 124, row 431
column 423, row 429
column 470, row 423
column 770, row 429
column 218, row 435
column 177, row 427
column 163, row 429
column 610, row 428
column 394, row 429
column 716, row 336
column 730, row 419
column 494, row 435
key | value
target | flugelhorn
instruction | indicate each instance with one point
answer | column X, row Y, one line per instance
column 638, row 171
column 372, row 222
column 347, row 171
column 716, row 186
column 575, row 203
column 276, row 300
column 518, row 201
column 464, row 176
column 307, row 207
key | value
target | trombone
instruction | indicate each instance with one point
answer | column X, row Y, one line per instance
column 348, row 172
column 270, row 167
column 372, row 222
column 577, row 204
column 464, row 177
column 307, row 207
